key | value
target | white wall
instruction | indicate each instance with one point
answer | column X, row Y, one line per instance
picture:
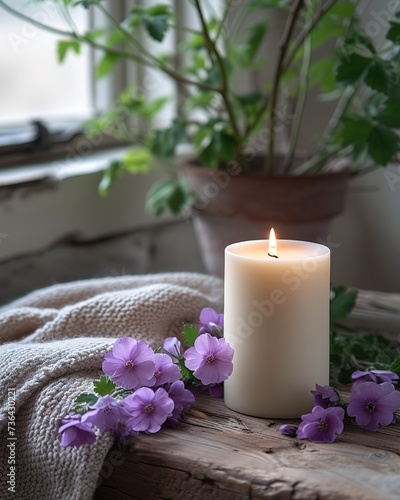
column 366, row 238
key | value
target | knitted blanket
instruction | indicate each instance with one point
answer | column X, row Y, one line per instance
column 53, row 343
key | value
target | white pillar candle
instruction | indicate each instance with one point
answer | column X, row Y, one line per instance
column 277, row 321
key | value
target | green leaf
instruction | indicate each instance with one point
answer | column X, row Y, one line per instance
column 355, row 132
column 109, row 176
column 137, row 160
column 148, row 108
column 158, row 195
column 139, row 105
column 390, row 115
column 64, row 46
column 94, row 34
column 157, row 26
column 195, row 42
column 89, row 399
column 155, row 19
column 200, row 100
column 322, row 72
column 169, row 194
column 209, row 155
column 255, row 35
column 352, row 68
column 343, row 9
column 379, row 75
column 342, row 303
column 186, row 374
column 165, row 141
column 393, row 33
column 190, row 332
column 383, row 144
column 360, row 40
column 106, row 64
column 116, row 36
column 228, row 146
column 181, row 198
column 395, row 366
column 104, row 386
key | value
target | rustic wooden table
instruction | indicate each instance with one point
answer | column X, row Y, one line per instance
column 220, row 454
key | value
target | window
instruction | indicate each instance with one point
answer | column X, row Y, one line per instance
column 39, row 96
column 33, row 85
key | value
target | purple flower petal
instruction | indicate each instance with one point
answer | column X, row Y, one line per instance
column 373, row 404
column 324, row 395
column 322, row 425
column 173, row 348
column 288, row 430
column 75, row 433
column 130, row 364
column 211, row 322
column 166, row 372
column 105, row 413
column 210, row 359
column 377, row 376
column 182, row 398
column 148, row 409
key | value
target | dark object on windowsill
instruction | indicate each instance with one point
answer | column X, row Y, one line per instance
column 38, row 142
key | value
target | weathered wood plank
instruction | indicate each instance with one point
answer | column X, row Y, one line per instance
column 376, row 311
column 217, row 453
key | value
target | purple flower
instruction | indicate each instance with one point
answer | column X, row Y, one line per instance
column 166, row 372
column 377, row 376
column 211, row 322
column 173, row 348
column 322, row 425
column 182, row 399
column 105, row 413
column 373, row 404
column 323, row 395
column 210, row 359
column 148, row 409
column 74, row 432
column 288, row 430
column 130, row 364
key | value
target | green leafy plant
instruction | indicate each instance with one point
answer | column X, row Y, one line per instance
column 353, row 350
column 220, row 121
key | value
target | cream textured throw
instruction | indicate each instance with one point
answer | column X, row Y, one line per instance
column 53, row 343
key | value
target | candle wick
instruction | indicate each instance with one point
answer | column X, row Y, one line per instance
column 273, row 255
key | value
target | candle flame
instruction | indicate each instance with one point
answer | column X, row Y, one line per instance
column 272, row 250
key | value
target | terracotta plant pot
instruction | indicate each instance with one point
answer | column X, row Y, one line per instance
column 234, row 207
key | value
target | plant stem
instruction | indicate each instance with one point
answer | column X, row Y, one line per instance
column 222, row 23
column 212, row 48
column 298, row 114
column 339, row 111
column 299, row 40
column 283, row 47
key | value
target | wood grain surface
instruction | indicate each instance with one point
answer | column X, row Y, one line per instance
column 219, row 454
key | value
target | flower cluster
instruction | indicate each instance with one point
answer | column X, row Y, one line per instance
column 373, row 401
column 142, row 389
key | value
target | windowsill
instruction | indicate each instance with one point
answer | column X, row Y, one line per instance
column 60, row 169
column 70, row 208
